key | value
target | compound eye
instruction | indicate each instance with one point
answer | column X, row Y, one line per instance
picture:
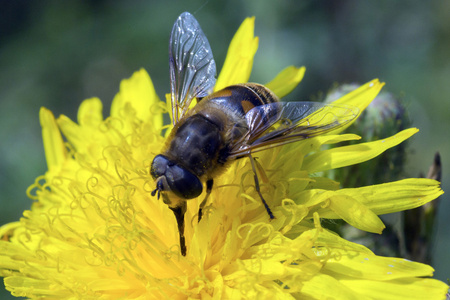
column 159, row 166
column 183, row 183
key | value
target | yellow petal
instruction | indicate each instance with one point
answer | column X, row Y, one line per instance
column 314, row 144
column 408, row 288
column 394, row 196
column 139, row 93
column 7, row 230
column 239, row 61
column 22, row 284
column 323, row 286
column 360, row 98
column 335, row 205
column 55, row 151
column 90, row 113
column 286, row 81
column 330, row 240
column 353, row 154
column 369, row 266
column 355, row 213
column 339, row 138
column 384, row 277
column 349, row 274
column 73, row 132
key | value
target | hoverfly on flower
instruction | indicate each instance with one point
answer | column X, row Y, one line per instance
column 223, row 126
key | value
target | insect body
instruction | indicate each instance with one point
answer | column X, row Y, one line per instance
column 201, row 143
column 223, row 126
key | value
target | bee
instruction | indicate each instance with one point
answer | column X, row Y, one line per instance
column 223, row 126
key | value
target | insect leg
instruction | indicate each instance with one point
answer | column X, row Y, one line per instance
column 258, row 189
column 179, row 212
column 209, row 185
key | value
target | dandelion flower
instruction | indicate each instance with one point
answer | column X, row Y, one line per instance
column 95, row 232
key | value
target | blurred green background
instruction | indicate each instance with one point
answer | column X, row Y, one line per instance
column 57, row 53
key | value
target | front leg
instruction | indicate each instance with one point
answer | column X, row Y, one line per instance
column 179, row 212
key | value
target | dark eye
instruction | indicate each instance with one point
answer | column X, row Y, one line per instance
column 159, row 166
column 183, row 183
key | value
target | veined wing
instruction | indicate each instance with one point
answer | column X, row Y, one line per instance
column 280, row 123
column 192, row 66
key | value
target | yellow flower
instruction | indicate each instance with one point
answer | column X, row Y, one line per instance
column 95, row 232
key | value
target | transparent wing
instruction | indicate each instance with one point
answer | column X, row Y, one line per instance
column 280, row 123
column 192, row 66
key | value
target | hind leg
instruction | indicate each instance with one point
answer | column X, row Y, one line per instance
column 257, row 188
